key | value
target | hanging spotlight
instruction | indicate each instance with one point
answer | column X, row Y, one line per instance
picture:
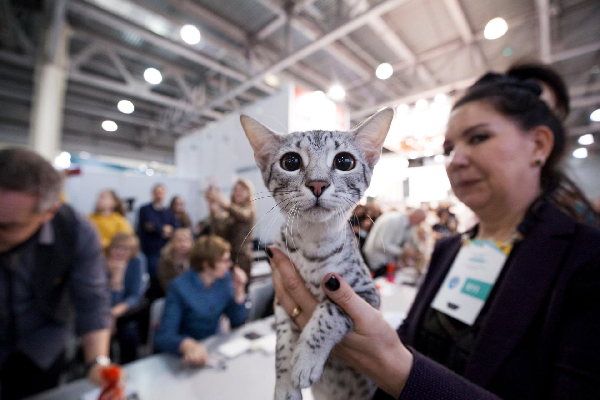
column 272, row 80
column 153, row 76
column 109, row 126
column 336, row 92
column 384, row 71
column 595, row 115
column 580, row 153
column 586, row 139
column 494, row 29
column 63, row 161
column 421, row 104
column 190, row 34
column 125, row 106
column 440, row 98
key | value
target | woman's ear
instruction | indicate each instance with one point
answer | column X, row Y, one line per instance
column 543, row 141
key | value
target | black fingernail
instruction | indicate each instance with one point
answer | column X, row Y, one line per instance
column 332, row 283
column 269, row 252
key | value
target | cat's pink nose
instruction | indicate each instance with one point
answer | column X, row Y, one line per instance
column 317, row 187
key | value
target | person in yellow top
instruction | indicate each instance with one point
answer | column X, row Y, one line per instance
column 108, row 218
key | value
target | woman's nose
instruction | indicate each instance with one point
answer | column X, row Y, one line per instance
column 457, row 158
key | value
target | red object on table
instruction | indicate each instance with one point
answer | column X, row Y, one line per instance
column 390, row 273
column 112, row 376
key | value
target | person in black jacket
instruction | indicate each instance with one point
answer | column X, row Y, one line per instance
column 51, row 275
column 534, row 333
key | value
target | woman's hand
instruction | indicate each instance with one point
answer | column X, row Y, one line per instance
column 373, row 348
column 193, row 352
column 239, row 280
column 119, row 309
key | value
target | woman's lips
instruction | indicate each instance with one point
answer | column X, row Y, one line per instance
column 467, row 183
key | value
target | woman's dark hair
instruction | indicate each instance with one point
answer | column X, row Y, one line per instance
column 549, row 77
column 519, row 101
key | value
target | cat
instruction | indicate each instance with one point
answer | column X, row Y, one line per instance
column 317, row 178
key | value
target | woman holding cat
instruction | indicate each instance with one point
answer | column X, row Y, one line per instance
column 524, row 323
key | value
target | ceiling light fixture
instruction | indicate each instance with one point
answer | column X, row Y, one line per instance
column 580, row 153
column 109, row 126
column 272, row 80
column 494, row 29
column 421, row 104
column 63, row 161
column 413, row 154
column 384, row 71
column 595, row 115
column 586, row 139
column 336, row 92
column 153, row 76
column 439, row 158
column 190, row 34
column 149, row 172
column 125, row 106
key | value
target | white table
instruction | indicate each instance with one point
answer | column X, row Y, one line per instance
column 248, row 376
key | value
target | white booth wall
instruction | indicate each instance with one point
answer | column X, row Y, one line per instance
column 82, row 190
column 220, row 154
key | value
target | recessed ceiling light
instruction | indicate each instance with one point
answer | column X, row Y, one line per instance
column 580, row 153
column 384, row 71
column 421, row 104
column 402, row 108
column 595, row 115
column 190, row 34
column 153, row 76
column 149, row 172
column 109, row 126
column 336, row 92
column 125, row 106
column 439, row 158
column 440, row 98
column 413, row 154
column 428, row 153
column 272, row 80
column 494, row 29
column 586, row 139
column 63, row 161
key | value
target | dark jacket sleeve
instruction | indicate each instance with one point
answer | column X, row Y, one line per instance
column 430, row 380
column 149, row 222
column 576, row 366
column 88, row 285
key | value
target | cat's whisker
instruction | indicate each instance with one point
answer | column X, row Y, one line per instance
column 255, row 225
column 293, row 218
column 270, row 226
column 373, row 222
column 287, row 230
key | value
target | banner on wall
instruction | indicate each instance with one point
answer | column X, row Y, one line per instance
column 313, row 110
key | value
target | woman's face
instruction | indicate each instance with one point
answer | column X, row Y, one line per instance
column 178, row 205
column 240, row 194
column 488, row 158
column 105, row 201
column 120, row 252
column 182, row 243
column 222, row 265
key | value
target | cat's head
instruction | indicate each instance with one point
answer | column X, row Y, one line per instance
column 322, row 173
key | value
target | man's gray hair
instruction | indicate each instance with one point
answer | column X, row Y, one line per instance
column 23, row 170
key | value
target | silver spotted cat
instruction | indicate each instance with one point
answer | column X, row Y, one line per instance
column 317, row 178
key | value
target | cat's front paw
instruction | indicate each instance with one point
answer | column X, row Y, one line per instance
column 307, row 368
column 284, row 392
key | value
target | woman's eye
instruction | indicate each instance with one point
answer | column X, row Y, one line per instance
column 291, row 161
column 343, row 162
column 476, row 139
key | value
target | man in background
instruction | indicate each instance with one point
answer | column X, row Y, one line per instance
column 385, row 242
column 155, row 227
column 52, row 274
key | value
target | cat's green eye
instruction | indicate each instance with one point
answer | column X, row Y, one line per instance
column 344, row 162
column 291, row 161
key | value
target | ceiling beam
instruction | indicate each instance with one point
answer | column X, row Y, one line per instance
column 458, row 16
column 576, row 52
column 341, row 31
column 585, row 101
column 543, row 7
column 118, row 23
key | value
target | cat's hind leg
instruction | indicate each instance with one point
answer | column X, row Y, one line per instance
column 287, row 336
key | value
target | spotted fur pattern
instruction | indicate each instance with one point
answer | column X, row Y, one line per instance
column 318, row 239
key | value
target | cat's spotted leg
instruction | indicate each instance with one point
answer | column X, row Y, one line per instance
column 287, row 337
column 326, row 328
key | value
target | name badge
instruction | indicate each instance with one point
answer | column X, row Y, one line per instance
column 470, row 280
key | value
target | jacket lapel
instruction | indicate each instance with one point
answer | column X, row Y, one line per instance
column 523, row 290
column 430, row 288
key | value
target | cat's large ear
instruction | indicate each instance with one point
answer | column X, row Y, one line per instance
column 371, row 134
column 264, row 141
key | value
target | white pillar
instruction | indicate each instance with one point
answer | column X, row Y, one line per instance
column 51, row 74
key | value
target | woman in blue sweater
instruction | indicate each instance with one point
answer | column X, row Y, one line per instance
column 196, row 300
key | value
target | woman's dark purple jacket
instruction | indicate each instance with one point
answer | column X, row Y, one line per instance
column 541, row 336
